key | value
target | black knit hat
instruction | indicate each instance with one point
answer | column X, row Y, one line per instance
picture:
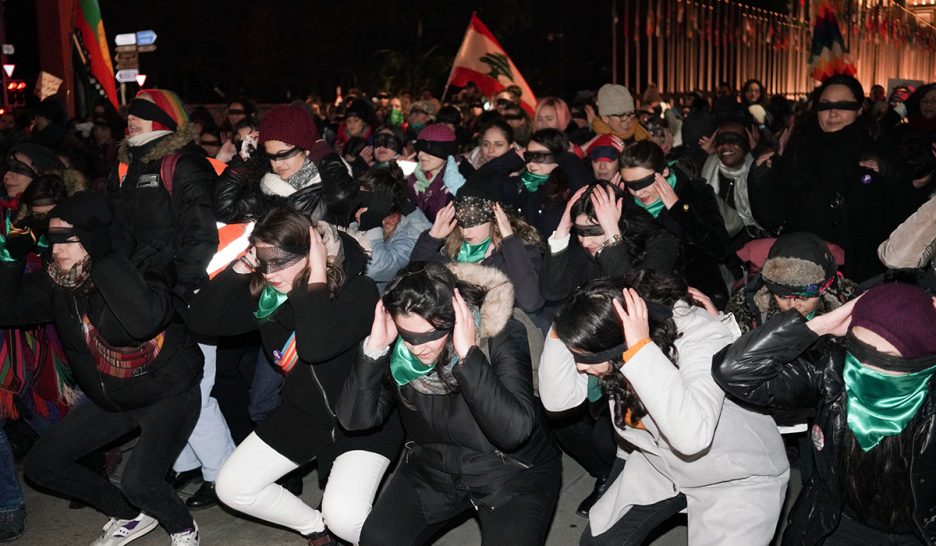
column 841, row 79
column 85, row 208
column 799, row 264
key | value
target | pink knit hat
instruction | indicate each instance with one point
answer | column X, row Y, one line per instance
column 903, row 314
column 289, row 123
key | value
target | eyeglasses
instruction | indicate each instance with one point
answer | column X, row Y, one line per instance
column 284, row 155
column 928, row 102
column 623, row 117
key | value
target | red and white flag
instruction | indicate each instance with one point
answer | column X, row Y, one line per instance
column 482, row 60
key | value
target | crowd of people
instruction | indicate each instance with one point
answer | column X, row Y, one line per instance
column 433, row 300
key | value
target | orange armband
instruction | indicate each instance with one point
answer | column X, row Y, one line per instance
column 633, row 350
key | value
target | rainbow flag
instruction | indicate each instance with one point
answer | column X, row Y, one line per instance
column 828, row 54
column 95, row 53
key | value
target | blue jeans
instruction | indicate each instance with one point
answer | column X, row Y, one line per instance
column 265, row 389
column 11, row 496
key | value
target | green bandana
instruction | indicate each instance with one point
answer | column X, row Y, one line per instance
column 881, row 405
column 473, row 254
column 422, row 182
column 405, row 366
column 396, row 117
column 270, row 300
column 533, row 181
column 656, row 207
column 594, row 389
column 811, row 315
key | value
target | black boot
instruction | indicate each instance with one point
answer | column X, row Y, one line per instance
column 178, row 480
column 204, row 497
column 601, row 485
column 12, row 524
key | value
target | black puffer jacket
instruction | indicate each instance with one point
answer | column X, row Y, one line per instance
column 482, row 435
column 127, row 309
column 176, row 229
column 783, row 364
column 246, row 194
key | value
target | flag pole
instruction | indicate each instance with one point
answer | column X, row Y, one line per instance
column 452, row 71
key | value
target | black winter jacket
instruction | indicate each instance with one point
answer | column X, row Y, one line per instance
column 328, row 336
column 127, row 309
column 697, row 222
column 517, row 258
column 176, row 229
column 781, row 365
column 484, row 434
column 568, row 269
column 818, row 186
column 539, row 211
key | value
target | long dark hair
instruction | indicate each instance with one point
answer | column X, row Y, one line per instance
column 637, row 227
column 557, row 187
column 874, row 482
column 284, row 227
column 426, row 289
column 589, row 323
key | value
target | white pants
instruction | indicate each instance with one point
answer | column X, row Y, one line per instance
column 210, row 443
column 247, row 483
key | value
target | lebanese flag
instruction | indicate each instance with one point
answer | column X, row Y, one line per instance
column 482, row 60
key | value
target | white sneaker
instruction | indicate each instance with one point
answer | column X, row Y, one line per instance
column 186, row 538
column 118, row 532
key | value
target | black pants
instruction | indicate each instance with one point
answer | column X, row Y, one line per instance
column 851, row 532
column 634, row 527
column 399, row 517
column 588, row 440
column 164, row 428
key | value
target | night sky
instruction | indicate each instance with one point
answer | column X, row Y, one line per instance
column 276, row 50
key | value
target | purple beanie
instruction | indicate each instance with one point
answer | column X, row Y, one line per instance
column 437, row 139
column 903, row 314
column 289, row 123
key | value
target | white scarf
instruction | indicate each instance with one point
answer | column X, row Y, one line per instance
column 145, row 138
column 742, row 204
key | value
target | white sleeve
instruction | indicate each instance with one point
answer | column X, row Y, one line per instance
column 561, row 386
column 558, row 245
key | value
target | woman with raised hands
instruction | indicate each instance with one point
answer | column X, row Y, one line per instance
column 445, row 351
column 638, row 341
column 302, row 286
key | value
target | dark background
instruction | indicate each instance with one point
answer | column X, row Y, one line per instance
column 277, row 50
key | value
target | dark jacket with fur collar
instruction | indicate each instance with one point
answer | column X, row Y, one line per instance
column 177, row 229
column 487, row 432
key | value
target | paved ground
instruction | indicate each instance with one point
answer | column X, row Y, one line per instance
column 51, row 523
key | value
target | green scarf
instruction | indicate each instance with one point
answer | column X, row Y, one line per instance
column 533, row 181
column 811, row 315
column 405, row 366
column 594, row 389
column 270, row 300
column 422, row 181
column 656, row 207
column 395, row 118
column 473, row 254
column 881, row 405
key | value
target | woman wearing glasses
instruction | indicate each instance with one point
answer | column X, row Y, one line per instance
column 289, row 171
column 551, row 175
column 445, row 351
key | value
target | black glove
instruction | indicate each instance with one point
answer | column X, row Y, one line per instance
column 380, row 206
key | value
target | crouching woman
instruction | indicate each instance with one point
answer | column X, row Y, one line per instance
column 690, row 446
column 444, row 348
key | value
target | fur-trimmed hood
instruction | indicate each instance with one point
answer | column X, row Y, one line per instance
column 497, row 307
column 162, row 147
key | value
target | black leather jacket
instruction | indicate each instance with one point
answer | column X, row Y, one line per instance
column 784, row 364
